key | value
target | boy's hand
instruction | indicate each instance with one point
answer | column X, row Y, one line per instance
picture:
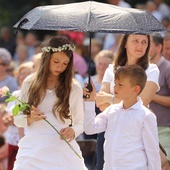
column 91, row 96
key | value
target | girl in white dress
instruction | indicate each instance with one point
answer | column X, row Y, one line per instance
column 56, row 97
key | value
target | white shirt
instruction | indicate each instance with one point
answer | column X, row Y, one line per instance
column 152, row 73
column 131, row 137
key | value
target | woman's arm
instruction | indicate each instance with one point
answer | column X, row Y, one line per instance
column 104, row 98
column 162, row 100
column 148, row 92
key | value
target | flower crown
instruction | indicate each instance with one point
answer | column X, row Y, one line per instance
column 59, row 49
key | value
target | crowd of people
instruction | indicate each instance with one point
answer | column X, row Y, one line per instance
column 127, row 111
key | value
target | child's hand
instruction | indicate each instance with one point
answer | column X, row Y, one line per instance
column 36, row 114
column 90, row 96
column 67, row 133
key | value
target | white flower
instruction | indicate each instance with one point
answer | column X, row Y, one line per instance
column 4, row 91
column 59, row 49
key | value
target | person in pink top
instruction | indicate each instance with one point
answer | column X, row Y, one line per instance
column 80, row 65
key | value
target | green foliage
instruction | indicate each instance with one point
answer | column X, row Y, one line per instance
column 11, row 11
column 22, row 106
column 16, row 110
column 10, row 99
column 4, row 16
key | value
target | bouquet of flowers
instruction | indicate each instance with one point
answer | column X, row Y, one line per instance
column 26, row 109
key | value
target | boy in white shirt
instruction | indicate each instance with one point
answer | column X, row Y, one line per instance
column 131, row 137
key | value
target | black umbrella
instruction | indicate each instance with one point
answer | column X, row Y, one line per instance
column 90, row 16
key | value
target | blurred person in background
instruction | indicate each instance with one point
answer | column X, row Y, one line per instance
column 5, row 78
column 31, row 39
column 13, row 134
column 166, row 46
column 2, row 154
column 21, row 54
column 166, row 23
column 96, row 46
column 160, row 103
column 162, row 7
column 7, row 39
column 3, row 144
column 152, row 8
column 120, row 3
column 36, row 61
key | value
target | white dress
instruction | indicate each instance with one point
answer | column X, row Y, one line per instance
column 41, row 148
column 152, row 73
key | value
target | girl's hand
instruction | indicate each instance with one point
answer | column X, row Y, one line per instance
column 67, row 133
column 36, row 115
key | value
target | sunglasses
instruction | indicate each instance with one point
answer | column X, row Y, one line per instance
column 2, row 64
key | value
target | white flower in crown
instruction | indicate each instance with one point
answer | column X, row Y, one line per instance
column 59, row 49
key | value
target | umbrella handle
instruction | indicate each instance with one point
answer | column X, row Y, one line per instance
column 89, row 86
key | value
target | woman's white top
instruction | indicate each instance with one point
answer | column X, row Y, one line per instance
column 41, row 147
column 131, row 136
column 152, row 73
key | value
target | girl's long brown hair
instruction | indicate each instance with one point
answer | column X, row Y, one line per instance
column 121, row 56
column 64, row 83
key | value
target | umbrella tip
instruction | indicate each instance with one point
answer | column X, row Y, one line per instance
column 25, row 20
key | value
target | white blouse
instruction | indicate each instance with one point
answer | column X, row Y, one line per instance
column 131, row 137
column 152, row 73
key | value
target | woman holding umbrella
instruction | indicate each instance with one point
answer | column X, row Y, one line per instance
column 133, row 49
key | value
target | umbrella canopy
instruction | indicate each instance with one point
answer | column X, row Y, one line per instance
column 90, row 16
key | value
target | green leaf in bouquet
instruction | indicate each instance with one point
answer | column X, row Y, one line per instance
column 23, row 106
column 16, row 110
column 10, row 99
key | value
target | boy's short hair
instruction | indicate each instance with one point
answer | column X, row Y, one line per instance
column 135, row 73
